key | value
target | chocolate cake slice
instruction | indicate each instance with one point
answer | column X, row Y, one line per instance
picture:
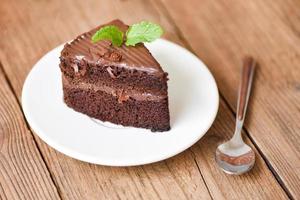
column 123, row 85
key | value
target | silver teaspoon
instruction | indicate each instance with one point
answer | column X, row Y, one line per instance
column 234, row 156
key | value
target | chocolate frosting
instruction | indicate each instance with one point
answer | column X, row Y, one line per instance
column 82, row 49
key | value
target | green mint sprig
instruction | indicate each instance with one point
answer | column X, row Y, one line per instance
column 142, row 32
column 112, row 33
column 136, row 33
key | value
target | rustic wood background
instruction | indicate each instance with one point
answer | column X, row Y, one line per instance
column 220, row 33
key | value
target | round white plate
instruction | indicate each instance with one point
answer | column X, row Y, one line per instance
column 193, row 103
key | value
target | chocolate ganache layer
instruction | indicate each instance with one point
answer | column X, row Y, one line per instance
column 120, row 93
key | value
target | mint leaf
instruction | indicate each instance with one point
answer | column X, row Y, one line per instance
column 142, row 32
column 111, row 32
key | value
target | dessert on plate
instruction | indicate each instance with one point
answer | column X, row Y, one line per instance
column 108, row 74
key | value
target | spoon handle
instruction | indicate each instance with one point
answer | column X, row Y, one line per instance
column 245, row 87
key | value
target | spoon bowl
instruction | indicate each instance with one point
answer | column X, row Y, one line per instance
column 234, row 159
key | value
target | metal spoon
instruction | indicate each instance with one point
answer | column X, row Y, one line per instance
column 234, row 156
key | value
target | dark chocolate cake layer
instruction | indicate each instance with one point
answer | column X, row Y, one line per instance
column 124, row 110
column 123, row 85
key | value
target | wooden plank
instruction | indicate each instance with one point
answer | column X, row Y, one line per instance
column 221, row 33
column 176, row 178
column 23, row 174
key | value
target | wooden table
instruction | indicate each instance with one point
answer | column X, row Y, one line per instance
column 220, row 33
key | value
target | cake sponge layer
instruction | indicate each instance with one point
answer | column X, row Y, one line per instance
column 128, row 112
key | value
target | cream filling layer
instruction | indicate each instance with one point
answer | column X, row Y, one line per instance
column 121, row 94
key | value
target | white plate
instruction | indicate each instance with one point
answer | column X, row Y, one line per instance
column 193, row 102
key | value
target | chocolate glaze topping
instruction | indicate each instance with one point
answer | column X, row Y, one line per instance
column 82, row 49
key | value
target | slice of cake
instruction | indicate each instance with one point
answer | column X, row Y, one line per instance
column 123, row 85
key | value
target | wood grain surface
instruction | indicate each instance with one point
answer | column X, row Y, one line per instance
column 220, row 33
column 225, row 31
column 23, row 173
